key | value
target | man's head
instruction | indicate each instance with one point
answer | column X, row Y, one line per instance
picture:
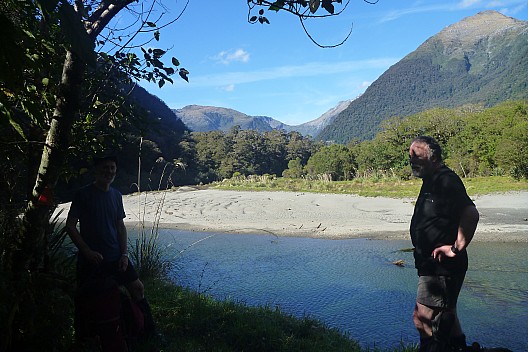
column 425, row 156
column 105, row 171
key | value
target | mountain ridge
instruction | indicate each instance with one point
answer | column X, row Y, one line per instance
column 482, row 59
column 201, row 118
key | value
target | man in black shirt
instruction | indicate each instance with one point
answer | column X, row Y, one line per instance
column 442, row 226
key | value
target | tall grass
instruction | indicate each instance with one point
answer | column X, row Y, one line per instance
column 147, row 253
column 36, row 305
column 385, row 185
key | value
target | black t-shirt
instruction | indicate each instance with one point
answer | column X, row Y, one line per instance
column 98, row 213
column 435, row 222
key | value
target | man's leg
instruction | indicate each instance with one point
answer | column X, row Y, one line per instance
column 423, row 317
column 435, row 314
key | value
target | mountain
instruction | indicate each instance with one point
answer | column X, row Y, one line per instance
column 209, row 118
column 482, row 59
column 314, row 127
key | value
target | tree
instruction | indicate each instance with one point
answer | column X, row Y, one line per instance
column 40, row 101
column 335, row 160
column 303, row 10
column 295, row 169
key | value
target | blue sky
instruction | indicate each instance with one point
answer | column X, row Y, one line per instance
column 275, row 70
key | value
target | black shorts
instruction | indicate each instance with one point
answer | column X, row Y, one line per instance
column 87, row 272
column 439, row 291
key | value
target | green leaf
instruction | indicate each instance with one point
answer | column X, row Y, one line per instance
column 158, row 53
column 161, row 83
column 314, row 5
column 175, row 62
column 157, row 35
column 47, row 6
column 45, row 81
column 276, row 6
column 17, row 127
column 183, row 74
column 157, row 63
column 151, row 24
column 328, row 6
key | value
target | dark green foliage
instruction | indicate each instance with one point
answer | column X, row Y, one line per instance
column 335, row 160
column 37, row 306
column 475, row 141
column 217, row 155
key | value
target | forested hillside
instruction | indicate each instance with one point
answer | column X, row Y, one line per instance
column 476, row 142
column 480, row 60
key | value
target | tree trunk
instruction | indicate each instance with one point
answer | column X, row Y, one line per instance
column 32, row 243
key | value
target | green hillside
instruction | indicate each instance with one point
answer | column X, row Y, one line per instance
column 480, row 60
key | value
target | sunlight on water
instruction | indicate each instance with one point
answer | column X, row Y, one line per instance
column 352, row 284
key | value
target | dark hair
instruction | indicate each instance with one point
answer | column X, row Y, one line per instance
column 101, row 159
column 434, row 147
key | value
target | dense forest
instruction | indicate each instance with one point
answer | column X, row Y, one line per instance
column 476, row 142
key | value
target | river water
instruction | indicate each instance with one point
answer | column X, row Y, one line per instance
column 352, row 284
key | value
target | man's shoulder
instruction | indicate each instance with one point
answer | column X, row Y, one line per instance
column 115, row 191
column 445, row 173
column 84, row 190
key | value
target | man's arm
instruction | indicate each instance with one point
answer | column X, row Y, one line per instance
column 123, row 239
column 71, row 227
column 466, row 229
column 467, row 226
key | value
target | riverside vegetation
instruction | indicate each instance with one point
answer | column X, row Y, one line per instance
column 381, row 185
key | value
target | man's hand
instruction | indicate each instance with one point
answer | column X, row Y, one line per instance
column 123, row 263
column 93, row 257
column 443, row 251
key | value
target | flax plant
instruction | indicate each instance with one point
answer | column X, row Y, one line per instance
column 147, row 253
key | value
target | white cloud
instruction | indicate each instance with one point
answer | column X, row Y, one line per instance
column 468, row 3
column 229, row 88
column 504, row 6
column 307, row 70
column 364, row 85
column 227, row 56
column 511, row 11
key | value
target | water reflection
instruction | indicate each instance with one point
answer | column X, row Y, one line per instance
column 352, row 284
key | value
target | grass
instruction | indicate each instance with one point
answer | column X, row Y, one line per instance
column 189, row 321
column 369, row 187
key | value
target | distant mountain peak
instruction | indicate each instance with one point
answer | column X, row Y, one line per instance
column 472, row 29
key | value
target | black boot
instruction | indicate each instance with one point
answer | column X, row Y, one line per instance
column 150, row 326
column 424, row 344
column 458, row 343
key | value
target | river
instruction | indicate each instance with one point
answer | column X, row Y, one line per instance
column 352, row 284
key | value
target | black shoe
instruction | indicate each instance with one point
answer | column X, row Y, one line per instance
column 475, row 347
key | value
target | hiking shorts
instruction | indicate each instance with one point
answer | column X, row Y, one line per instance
column 439, row 291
